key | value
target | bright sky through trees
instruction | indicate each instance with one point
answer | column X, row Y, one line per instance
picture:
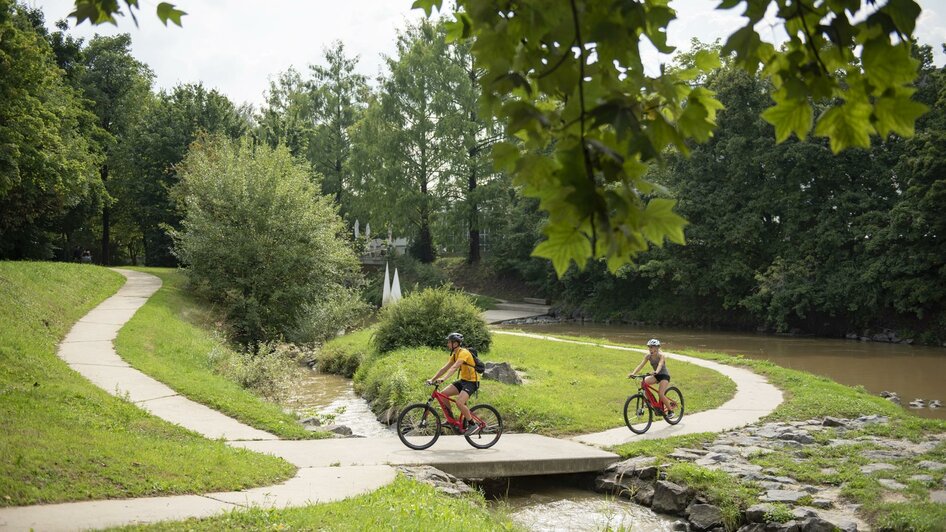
column 235, row 46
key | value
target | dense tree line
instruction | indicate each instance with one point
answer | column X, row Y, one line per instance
column 782, row 236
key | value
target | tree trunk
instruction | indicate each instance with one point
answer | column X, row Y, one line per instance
column 474, row 255
column 106, row 221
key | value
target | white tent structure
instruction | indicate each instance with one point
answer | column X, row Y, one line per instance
column 395, row 289
column 386, row 291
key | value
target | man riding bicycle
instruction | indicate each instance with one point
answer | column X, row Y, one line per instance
column 461, row 360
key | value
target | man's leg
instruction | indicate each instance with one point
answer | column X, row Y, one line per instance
column 461, row 402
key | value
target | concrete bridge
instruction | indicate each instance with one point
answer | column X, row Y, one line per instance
column 513, row 455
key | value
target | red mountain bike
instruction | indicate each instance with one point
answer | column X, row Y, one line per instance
column 419, row 425
column 640, row 407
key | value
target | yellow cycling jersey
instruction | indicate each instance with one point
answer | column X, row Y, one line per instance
column 467, row 371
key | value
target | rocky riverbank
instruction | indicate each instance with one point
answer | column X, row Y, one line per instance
column 811, row 503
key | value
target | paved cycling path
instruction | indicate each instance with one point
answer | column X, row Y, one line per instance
column 754, row 398
column 329, row 470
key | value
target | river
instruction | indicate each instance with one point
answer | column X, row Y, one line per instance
column 911, row 371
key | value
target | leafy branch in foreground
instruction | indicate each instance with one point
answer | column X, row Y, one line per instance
column 104, row 11
column 568, row 79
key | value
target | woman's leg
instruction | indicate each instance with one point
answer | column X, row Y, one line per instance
column 662, row 391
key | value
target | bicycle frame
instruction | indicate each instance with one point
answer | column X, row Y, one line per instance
column 652, row 395
column 444, row 401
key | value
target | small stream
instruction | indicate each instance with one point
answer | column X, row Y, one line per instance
column 558, row 504
column 537, row 503
column 325, row 394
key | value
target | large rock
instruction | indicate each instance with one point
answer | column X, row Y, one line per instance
column 790, row 526
column 444, row 482
column 873, row 468
column 670, row 498
column 502, row 372
column 705, row 516
column 756, row 512
column 341, row 430
column 644, row 495
column 783, row 496
column 313, row 421
column 389, row 415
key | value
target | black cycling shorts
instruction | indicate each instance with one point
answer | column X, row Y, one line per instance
column 469, row 387
column 662, row 377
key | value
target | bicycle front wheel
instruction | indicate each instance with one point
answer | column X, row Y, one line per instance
column 637, row 414
column 418, row 426
column 676, row 402
column 491, row 427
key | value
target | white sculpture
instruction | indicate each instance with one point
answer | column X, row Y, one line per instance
column 395, row 288
column 386, row 291
column 356, row 228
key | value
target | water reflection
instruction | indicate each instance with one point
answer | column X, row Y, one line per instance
column 911, row 371
column 332, row 395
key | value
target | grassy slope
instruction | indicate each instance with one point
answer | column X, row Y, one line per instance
column 170, row 339
column 401, row 505
column 61, row 438
column 571, row 388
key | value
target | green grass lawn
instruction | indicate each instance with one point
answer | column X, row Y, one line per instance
column 570, row 389
column 402, row 505
column 64, row 439
column 171, row 338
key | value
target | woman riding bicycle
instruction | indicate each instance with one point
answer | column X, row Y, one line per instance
column 660, row 374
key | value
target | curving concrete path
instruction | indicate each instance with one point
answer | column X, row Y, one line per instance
column 754, row 398
column 329, row 470
column 87, row 348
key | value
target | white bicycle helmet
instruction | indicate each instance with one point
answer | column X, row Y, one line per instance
column 653, row 342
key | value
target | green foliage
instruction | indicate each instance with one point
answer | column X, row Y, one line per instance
column 402, row 505
column 726, row 491
column 411, row 139
column 780, row 513
column 914, row 516
column 570, row 77
column 104, row 11
column 175, row 338
column 268, row 370
column 258, row 239
column 172, row 122
column 343, row 355
column 425, row 318
column 64, row 439
column 49, row 156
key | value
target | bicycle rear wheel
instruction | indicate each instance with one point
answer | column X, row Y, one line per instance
column 637, row 414
column 676, row 400
column 491, row 427
column 418, row 426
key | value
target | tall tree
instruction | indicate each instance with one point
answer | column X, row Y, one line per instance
column 287, row 118
column 480, row 133
column 160, row 142
column 338, row 96
column 47, row 157
column 117, row 85
column 410, row 142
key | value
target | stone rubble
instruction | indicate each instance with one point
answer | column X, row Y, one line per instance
column 814, row 507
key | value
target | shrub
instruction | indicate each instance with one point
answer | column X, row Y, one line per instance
column 268, row 370
column 260, row 240
column 426, row 317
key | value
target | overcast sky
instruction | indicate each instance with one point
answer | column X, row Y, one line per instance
column 236, row 46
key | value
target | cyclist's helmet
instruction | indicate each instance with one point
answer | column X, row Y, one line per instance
column 455, row 337
column 653, row 342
